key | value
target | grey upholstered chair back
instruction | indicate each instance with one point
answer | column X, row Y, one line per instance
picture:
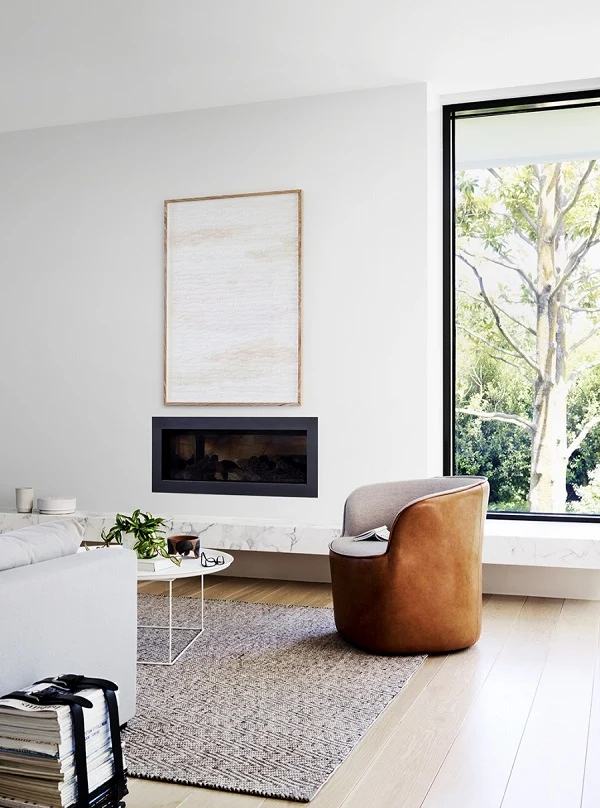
column 374, row 505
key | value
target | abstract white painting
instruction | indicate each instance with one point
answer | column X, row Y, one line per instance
column 232, row 299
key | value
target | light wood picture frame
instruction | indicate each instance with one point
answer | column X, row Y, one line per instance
column 233, row 299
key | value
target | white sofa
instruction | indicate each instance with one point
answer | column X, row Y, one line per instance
column 75, row 614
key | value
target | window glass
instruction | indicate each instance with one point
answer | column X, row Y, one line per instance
column 527, row 308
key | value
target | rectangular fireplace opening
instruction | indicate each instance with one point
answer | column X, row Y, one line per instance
column 252, row 456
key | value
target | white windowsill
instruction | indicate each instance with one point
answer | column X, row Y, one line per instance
column 542, row 544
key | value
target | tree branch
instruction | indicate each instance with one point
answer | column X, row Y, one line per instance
column 511, row 266
column 580, row 342
column 582, row 369
column 576, row 443
column 577, row 255
column 527, row 378
column 589, row 274
column 504, row 312
column 506, row 417
column 522, row 210
column 496, row 357
column 580, row 294
column 574, row 199
column 518, row 230
column 485, row 341
column 580, row 309
column 498, row 322
column 514, row 319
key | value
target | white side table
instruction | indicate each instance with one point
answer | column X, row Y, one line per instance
column 190, row 568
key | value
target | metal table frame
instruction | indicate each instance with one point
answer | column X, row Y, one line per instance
column 171, row 628
column 163, row 576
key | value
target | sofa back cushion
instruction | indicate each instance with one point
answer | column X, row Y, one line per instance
column 35, row 543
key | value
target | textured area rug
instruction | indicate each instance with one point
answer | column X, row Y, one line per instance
column 268, row 701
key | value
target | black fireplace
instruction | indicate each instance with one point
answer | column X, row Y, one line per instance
column 251, row 456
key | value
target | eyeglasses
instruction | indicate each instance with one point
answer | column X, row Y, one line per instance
column 211, row 561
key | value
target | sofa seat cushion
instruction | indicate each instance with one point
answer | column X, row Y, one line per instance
column 348, row 546
column 30, row 545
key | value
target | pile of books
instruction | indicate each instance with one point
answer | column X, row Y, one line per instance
column 37, row 753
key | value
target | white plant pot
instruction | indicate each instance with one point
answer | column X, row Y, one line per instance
column 128, row 541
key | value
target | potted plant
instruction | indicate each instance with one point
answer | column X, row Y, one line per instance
column 147, row 531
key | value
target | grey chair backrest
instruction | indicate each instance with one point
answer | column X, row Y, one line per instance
column 374, row 505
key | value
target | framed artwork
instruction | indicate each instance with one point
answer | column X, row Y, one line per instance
column 233, row 299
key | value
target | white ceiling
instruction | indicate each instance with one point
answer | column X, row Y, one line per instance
column 64, row 61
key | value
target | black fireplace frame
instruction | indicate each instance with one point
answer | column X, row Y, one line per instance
column 308, row 489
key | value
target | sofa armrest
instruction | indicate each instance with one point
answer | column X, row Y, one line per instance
column 76, row 614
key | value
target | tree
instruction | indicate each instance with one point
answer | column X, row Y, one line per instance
column 537, row 226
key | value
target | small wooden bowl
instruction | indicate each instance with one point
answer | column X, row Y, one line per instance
column 183, row 545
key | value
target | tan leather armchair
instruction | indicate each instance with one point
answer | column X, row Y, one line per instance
column 421, row 591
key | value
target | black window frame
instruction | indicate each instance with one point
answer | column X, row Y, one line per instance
column 450, row 113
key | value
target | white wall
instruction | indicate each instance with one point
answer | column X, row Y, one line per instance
column 435, row 284
column 82, row 291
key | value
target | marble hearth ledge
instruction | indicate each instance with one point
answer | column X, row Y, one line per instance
column 538, row 544
column 218, row 533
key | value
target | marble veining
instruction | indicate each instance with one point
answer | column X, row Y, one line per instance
column 575, row 552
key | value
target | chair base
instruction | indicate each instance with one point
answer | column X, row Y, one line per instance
column 404, row 650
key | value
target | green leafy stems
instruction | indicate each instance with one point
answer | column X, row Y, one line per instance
column 147, row 531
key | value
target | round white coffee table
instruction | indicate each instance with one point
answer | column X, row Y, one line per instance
column 190, row 568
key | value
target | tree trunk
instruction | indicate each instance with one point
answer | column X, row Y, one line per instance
column 547, row 491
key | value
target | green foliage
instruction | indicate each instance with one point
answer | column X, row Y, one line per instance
column 584, row 404
column 146, row 529
column 483, row 200
column 589, row 495
column 499, row 451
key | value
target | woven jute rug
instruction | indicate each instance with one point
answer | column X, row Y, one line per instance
column 268, row 701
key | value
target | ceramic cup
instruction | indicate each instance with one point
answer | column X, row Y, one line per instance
column 24, row 500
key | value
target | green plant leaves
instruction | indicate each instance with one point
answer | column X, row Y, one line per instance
column 147, row 531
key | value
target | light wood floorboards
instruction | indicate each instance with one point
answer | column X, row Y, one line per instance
column 512, row 723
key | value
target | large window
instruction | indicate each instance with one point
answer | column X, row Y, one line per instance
column 522, row 275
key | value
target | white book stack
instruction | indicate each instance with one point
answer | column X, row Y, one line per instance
column 37, row 753
column 154, row 564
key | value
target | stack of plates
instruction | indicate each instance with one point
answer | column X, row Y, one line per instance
column 56, row 505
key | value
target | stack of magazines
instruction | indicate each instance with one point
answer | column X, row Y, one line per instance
column 40, row 753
